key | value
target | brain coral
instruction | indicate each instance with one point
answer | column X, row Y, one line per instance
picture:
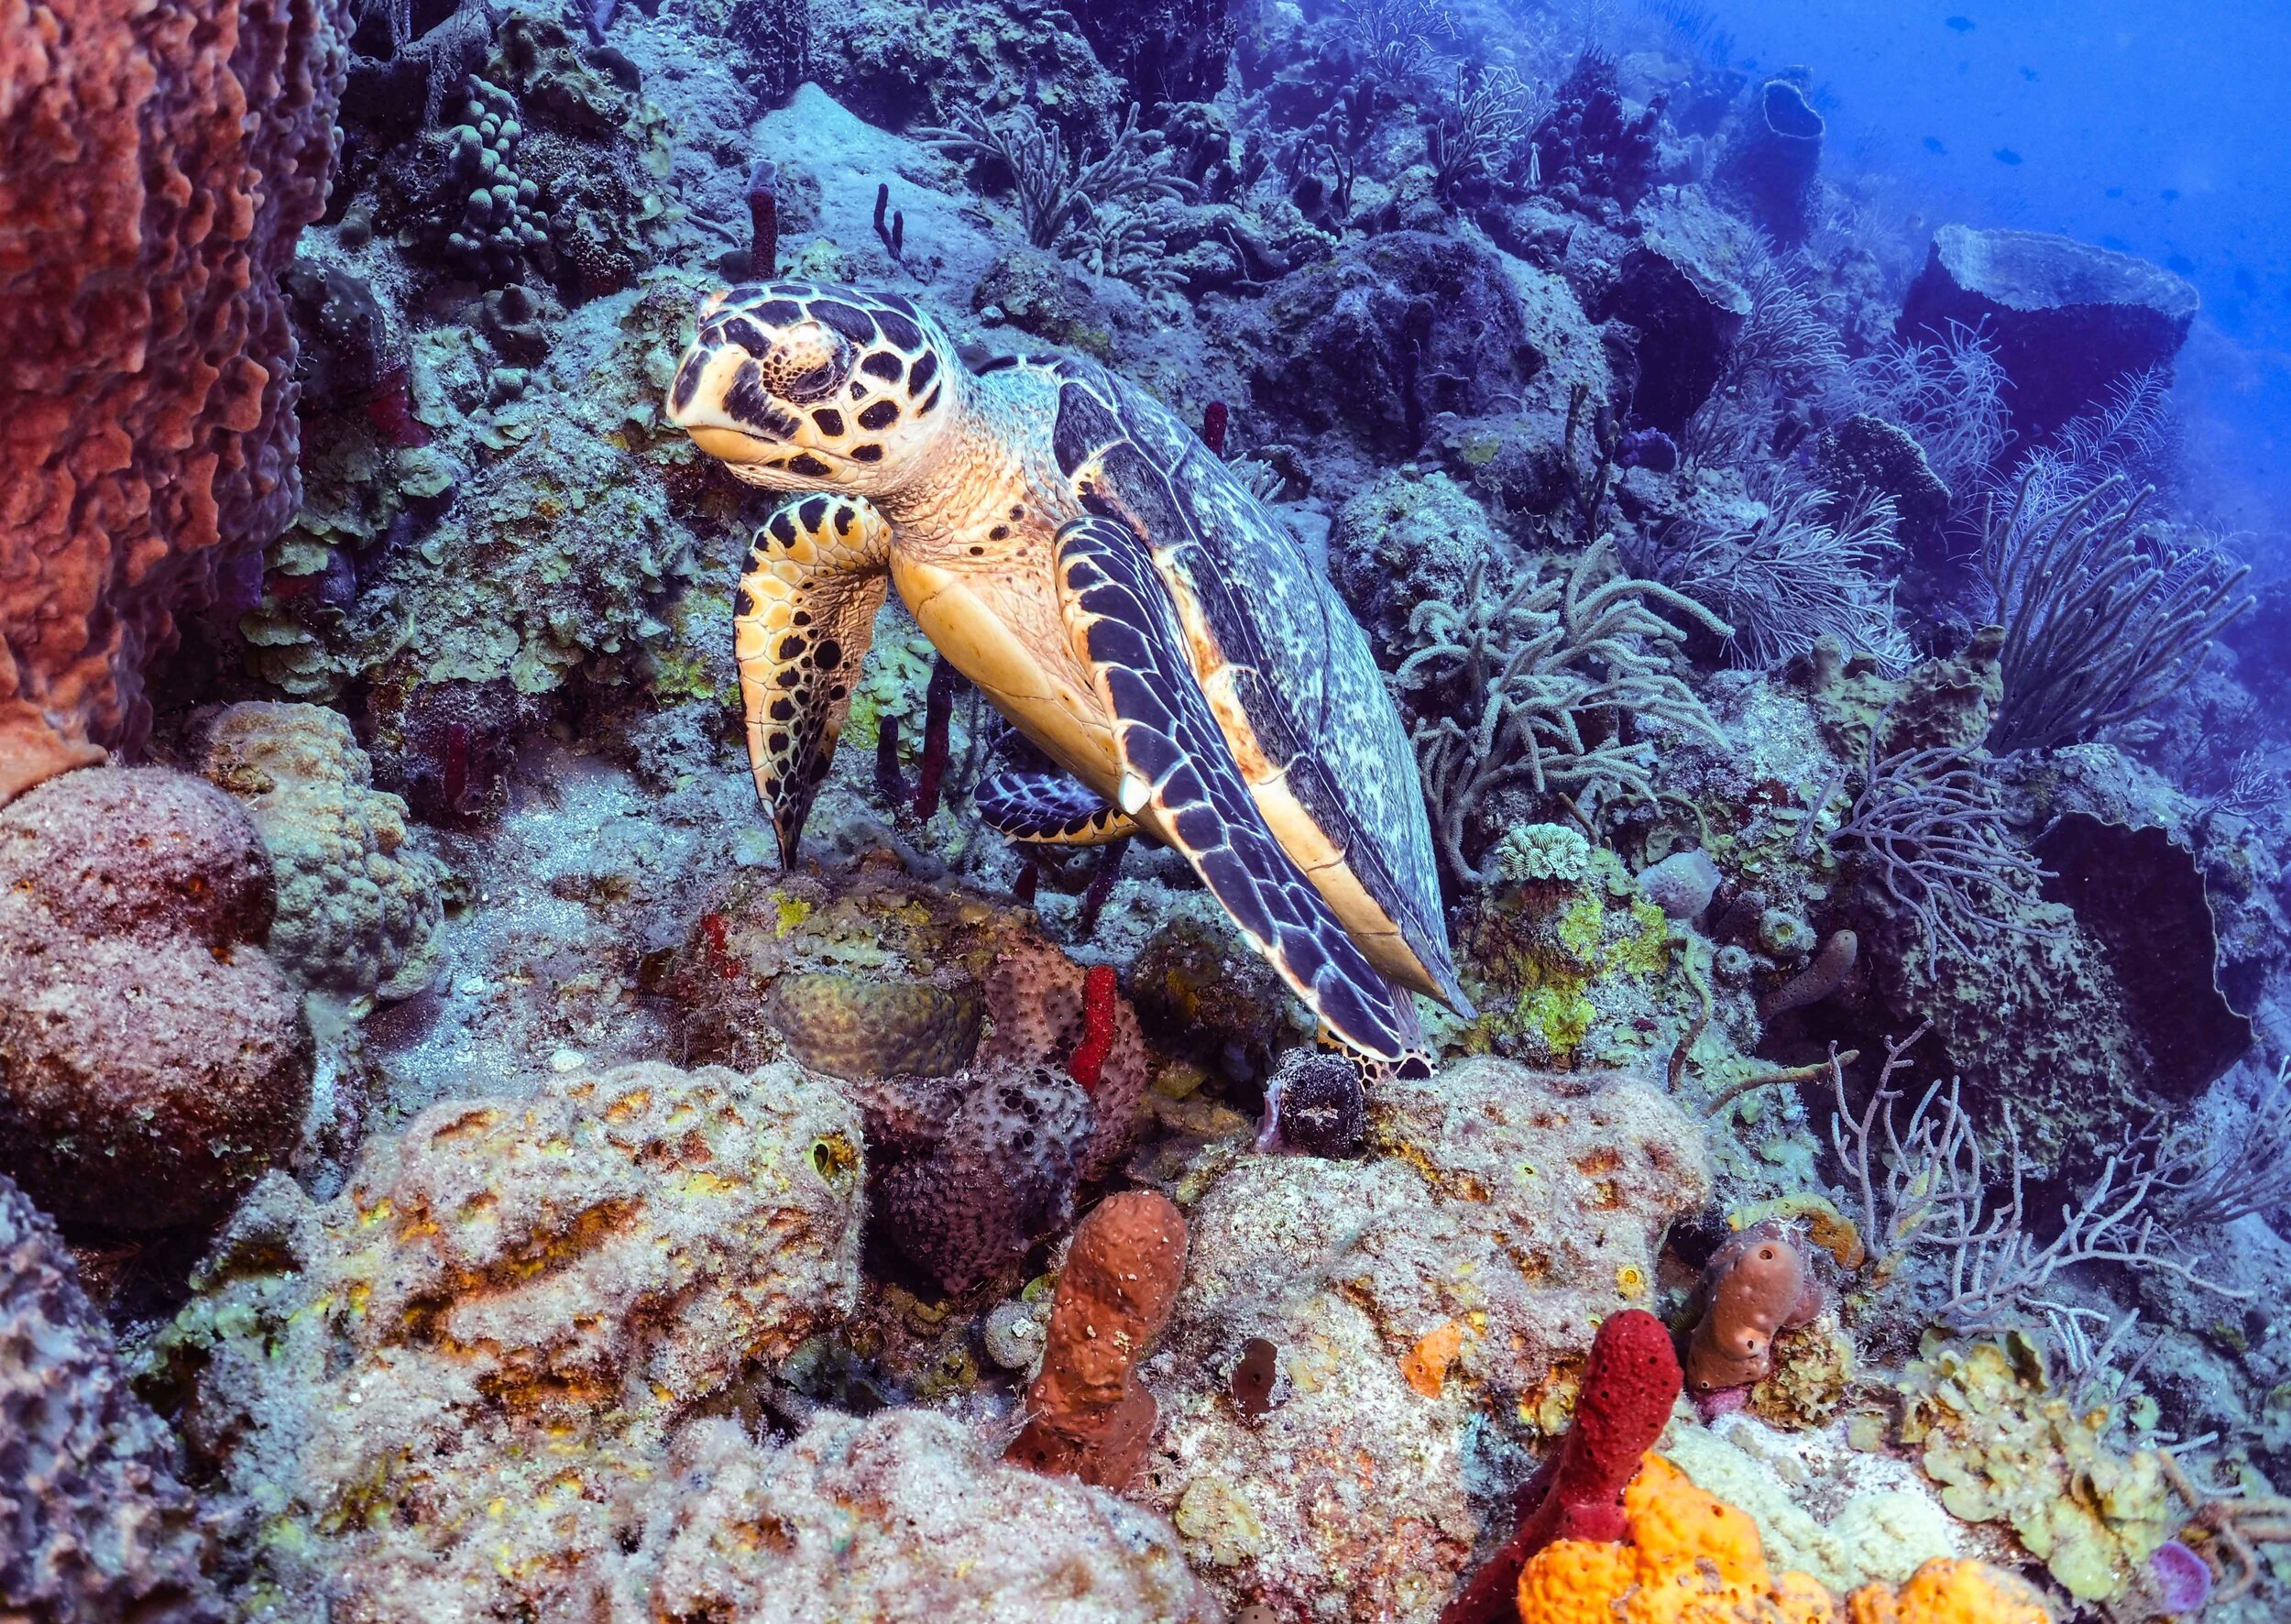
column 156, row 161
column 358, row 898
column 442, row 1394
column 95, row 1523
column 153, row 1062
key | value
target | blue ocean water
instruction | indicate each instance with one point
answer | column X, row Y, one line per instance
column 2156, row 129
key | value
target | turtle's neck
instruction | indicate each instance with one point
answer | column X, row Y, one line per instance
column 994, row 458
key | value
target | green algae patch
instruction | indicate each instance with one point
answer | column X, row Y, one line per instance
column 1571, row 974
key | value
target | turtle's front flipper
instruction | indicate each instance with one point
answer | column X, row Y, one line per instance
column 1180, row 778
column 808, row 598
column 1049, row 809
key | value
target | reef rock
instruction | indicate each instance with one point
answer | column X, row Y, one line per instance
column 1384, row 335
column 2070, row 320
column 359, row 895
column 903, row 1518
column 153, row 1062
column 1501, row 1214
column 445, row 1391
column 95, row 1524
column 155, row 164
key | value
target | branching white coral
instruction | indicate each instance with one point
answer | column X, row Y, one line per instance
column 1929, row 1183
column 1535, row 686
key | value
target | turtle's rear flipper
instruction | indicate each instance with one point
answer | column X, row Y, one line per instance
column 1049, row 809
column 1180, row 778
column 808, row 598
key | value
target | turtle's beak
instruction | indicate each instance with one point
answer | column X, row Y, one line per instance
column 711, row 379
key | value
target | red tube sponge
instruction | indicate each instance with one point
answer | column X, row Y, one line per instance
column 1213, row 422
column 1088, row 1062
column 1629, row 1384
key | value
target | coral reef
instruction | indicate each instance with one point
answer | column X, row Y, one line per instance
column 360, row 897
column 94, row 1520
column 527, row 1189
column 158, row 165
column 1087, row 1413
column 153, row 1062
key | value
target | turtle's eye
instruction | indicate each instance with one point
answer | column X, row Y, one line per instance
column 808, row 362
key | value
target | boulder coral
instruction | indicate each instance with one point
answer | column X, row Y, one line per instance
column 902, row 1519
column 95, row 1523
column 359, row 894
column 153, row 1060
column 1418, row 1300
column 157, row 163
column 441, row 1394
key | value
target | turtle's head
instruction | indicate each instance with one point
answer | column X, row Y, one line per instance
column 802, row 386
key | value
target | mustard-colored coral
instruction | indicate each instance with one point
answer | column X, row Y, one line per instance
column 2006, row 1447
column 1690, row 1558
column 1948, row 1591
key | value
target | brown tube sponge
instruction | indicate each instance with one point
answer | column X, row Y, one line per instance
column 1759, row 1282
column 1091, row 1416
column 1818, row 979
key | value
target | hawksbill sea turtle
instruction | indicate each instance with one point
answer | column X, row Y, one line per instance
column 1074, row 551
